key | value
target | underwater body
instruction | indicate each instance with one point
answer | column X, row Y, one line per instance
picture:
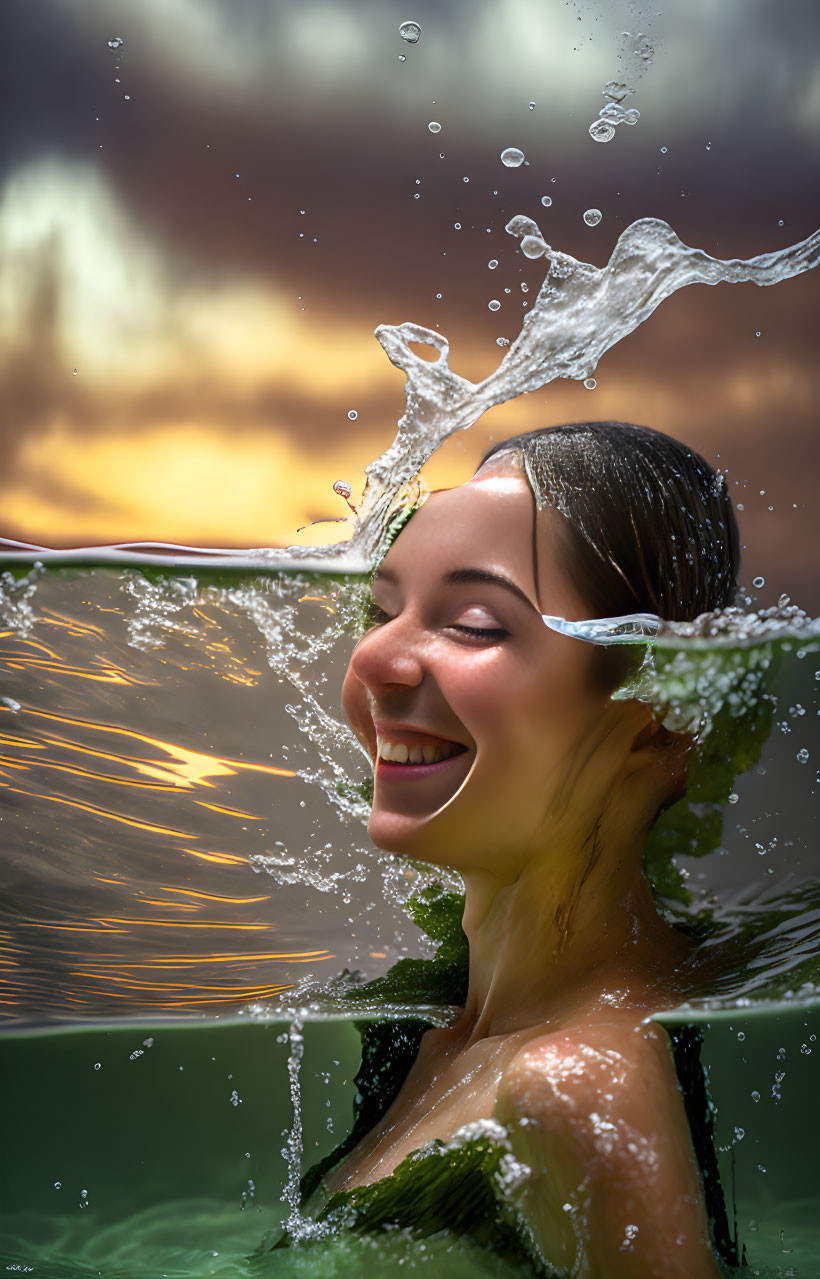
column 192, row 921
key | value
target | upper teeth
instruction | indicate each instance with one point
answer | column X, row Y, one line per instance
column 428, row 753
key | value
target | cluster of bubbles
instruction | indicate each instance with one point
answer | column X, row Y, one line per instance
column 614, row 112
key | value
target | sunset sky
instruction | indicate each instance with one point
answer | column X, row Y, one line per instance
column 200, row 229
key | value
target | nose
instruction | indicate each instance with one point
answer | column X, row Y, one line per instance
column 391, row 655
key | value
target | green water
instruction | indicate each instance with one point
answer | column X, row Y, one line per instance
column 165, row 1144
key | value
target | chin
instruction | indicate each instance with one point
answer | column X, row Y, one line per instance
column 410, row 838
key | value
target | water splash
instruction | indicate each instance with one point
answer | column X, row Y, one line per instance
column 580, row 313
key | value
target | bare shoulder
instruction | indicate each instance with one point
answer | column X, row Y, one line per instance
column 596, row 1114
column 612, row 1066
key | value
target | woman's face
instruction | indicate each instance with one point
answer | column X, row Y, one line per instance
column 476, row 716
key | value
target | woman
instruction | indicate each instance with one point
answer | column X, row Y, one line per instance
column 498, row 751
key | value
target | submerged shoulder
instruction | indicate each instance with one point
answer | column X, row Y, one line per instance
column 608, row 1068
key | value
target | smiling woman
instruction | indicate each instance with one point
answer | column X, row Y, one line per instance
column 499, row 751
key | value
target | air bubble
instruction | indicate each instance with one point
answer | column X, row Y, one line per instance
column 758, row 582
column 457, row 226
column 546, row 200
column 803, row 756
column 502, row 341
column 58, row 1185
column 590, row 383
column 741, row 1035
column 512, row 157
column 663, row 150
column 757, row 333
column 780, row 222
column 593, row 216
column 495, row 305
column 733, row 798
column 601, row 131
column 434, row 126
column 97, row 1065
column 352, row 414
column 410, row 31
column 493, row 263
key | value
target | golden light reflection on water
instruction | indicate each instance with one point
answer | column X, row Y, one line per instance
column 112, row 907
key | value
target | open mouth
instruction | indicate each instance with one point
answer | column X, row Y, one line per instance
column 414, row 754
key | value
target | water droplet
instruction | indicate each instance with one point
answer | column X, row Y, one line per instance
column 494, row 305
column 352, row 414
column 97, row 1065
column 733, row 798
column 410, row 31
column 546, row 200
column 438, row 296
column 708, row 146
column 663, row 150
column 593, row 216
column 755, row 1095
column 58, row 1185
column 127, row 97
column 803, row 756
column 434, row 126
column 342, row 488
column 402, row 58
column 532, row 246
column 757, row 333
column 740, row 1133
column 741, row 1035
column 532, row 106
column 590, row 383
column 465, row 179
column 75, row 372
column 457, row 226
column 512, row 157
column 502, row 341
column 601, row 131
column 780, row 222
column 758, row 582
column 493, row 263
column 116, row 43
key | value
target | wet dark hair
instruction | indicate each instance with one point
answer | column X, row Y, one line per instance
column 649, row 524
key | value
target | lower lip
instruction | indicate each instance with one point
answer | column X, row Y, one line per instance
column 415, row 772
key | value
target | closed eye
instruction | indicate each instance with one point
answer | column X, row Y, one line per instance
column 375, row 616
column 491, row 633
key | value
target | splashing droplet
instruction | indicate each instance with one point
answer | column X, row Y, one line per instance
column 410, row 31
column 546, row 200
column 512, row 157
column 353, row 415
column 590, row 383
column 434, row 126
column 601, row 131
column 532, row 246
column 593, row 216
column 495, row 305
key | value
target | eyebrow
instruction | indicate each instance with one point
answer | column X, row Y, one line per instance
column 479, row 576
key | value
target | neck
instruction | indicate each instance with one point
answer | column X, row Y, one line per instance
column 576, row 928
